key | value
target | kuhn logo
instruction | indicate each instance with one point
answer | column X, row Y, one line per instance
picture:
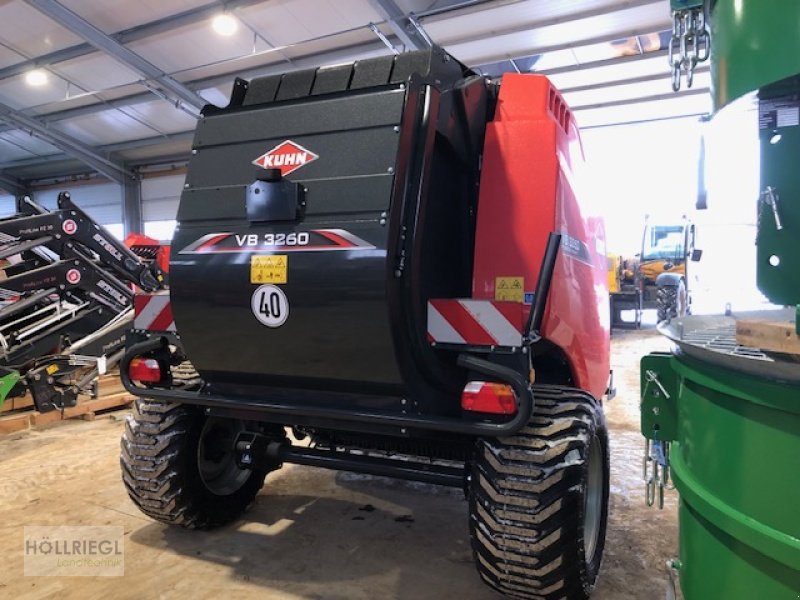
column 286, row 156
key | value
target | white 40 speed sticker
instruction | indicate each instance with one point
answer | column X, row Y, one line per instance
column 270, row 305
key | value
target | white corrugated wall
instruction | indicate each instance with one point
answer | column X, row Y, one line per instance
column 160, row 196
column 102, row 201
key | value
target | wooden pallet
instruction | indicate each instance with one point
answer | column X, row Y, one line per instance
column 771, row 336
column 18, row 414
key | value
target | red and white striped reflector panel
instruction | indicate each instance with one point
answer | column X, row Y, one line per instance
column 475, row 322
column 153, row 312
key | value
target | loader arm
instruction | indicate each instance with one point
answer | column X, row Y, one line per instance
column 74, row 273
column 69, row 224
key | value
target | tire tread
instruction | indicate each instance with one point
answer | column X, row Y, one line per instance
column 525, row 500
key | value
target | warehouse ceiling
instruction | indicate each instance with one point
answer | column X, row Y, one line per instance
column 110, row 87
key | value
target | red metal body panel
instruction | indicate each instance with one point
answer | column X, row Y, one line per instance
column 529, row 188
column 147, row 247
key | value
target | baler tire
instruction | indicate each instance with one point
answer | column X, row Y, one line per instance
column 159, row 459
column 665, row 300
column 529, row 516
column 671, row 302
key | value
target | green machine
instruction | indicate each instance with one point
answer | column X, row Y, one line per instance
column 8, row 381
column 722, row 421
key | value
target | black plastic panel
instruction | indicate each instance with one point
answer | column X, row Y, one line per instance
column 372, row 72
column 325, row 115
column 343, row 196
column 296, row 84
column 324, row 197
column 363, row 74
column 332, row 79
column 410, row 62
column 337, row 330
column 369, row 152
column 217, row 203
column 262, row 90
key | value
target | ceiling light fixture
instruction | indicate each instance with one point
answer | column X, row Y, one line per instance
column 225, row 24
column 36, row 77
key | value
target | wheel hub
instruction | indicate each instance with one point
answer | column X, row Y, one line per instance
column 593, row 499
column 216, row 459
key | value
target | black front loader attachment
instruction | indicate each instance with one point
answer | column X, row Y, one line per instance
column 66, row 300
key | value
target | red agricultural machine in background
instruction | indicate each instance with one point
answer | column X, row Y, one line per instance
column 391, row 260
column 150, row 250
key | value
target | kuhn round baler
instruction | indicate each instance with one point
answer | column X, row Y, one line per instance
column 390, row 259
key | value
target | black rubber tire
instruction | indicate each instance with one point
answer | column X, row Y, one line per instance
column 159, row 461
column 528, row 500
column 671, row 302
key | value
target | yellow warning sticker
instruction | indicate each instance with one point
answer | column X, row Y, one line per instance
column 51, row 369
column 269, row 269
column 509, row 289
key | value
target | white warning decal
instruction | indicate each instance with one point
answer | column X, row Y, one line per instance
column 270, row 305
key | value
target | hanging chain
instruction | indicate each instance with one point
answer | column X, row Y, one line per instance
column 656, row 469
column 690, row 44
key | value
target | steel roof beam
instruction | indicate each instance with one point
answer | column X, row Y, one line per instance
column 215, row 80
column 65, row 143
column 599, row 39
column 184, row 156
column 643, row 99
column 89, row 109
column 180, row 158
column 68, row 19
column 104, row 150
column 127, row 36
column 666, row 77
column 310, row 60
column 12, row 185
column 576, row 16
column 645, row 121
column 607, row 62
column 401, row 25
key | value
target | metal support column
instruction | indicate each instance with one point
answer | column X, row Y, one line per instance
column 12, row 185
column 19, row 201
column 132, row 205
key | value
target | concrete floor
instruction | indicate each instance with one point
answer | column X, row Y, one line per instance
column 311, row 533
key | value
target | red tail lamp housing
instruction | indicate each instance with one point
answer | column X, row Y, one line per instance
column 146, row 370
column 488, row 397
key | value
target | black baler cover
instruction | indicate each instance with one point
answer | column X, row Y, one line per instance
column 385, row 221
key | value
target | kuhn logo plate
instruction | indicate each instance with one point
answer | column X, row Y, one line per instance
column 286, row 156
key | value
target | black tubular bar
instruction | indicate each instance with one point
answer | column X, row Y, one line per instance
column 287, row 410
column 370, row 465
column 37, row 209
column 543, row 283
column 26, row 302
column 24, row 246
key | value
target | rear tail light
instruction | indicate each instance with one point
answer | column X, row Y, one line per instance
column 486, row 397
column 144, row 369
